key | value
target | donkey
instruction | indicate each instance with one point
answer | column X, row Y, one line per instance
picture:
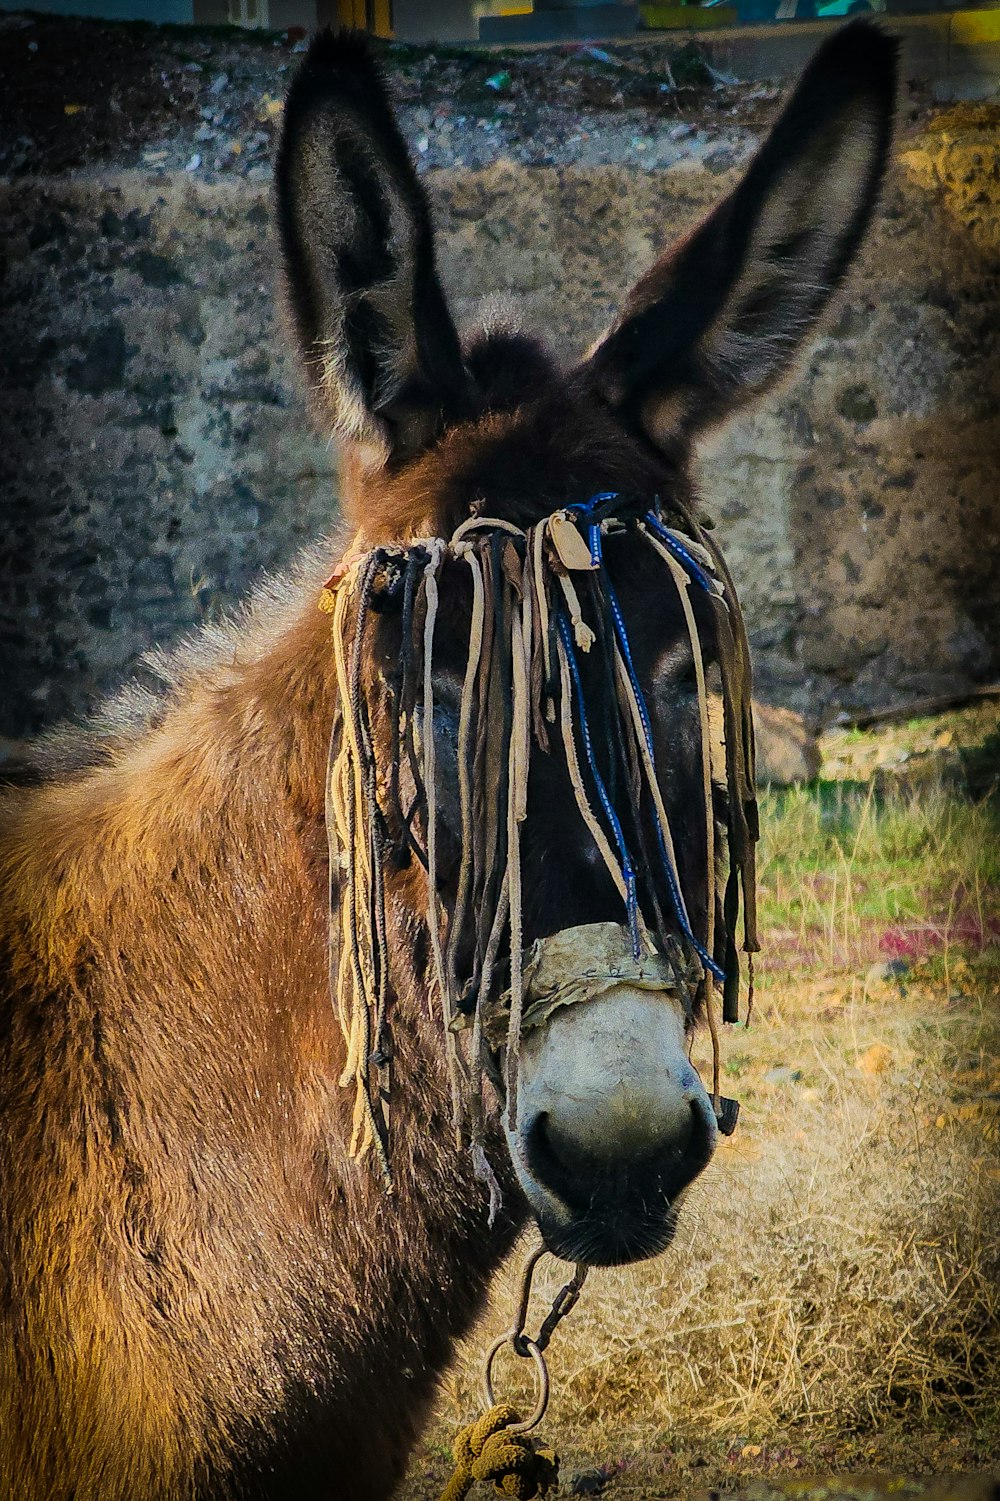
column 204, row 1295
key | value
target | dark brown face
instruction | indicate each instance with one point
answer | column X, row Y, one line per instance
column 565, row 881
column 611, row 1123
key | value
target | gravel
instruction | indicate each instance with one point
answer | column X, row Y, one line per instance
column 76, row 92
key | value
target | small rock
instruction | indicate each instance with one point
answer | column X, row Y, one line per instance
column 194, row 163
column 218, row 84
column 857, row 404
column 886, row 971
column 588, row 1483
column 787, row 750
column 783, row 1075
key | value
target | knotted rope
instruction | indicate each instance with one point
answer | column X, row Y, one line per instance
column 488, row 1450
column 538, row 598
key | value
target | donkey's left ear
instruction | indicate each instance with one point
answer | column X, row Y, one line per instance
column 722, row 316
column 374, row 329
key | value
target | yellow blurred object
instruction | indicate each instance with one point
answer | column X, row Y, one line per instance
column 876, row 1060
column 73, row 109
column 687, row 17
column 971, row 26
column 374, row 16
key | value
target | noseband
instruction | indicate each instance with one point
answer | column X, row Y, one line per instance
column 540, row 597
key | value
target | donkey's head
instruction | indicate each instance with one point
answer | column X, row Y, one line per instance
column 531, row 631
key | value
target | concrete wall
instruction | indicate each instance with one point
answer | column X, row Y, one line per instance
column 155, row 455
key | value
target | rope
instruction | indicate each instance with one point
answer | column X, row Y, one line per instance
column 705, row 736
column 346, row 798
column 430, row 783
column 637, row 706
column 517, row 805
column 464, row 550
column 627, row 869
column 487, row 1450
column 681, row 582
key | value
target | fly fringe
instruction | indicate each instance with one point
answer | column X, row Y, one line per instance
column 538, row 597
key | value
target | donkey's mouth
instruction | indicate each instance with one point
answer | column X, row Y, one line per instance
column 605, row 1237
column 612, row 1124
column 597, row 1213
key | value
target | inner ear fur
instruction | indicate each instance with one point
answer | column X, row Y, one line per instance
column 721, row 317
column 379, row 344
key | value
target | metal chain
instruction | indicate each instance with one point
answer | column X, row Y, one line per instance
column 532, row 1349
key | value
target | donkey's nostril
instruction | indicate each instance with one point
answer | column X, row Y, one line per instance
column 559, row 1169
column 581, row 1166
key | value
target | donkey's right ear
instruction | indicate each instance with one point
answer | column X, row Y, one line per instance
column 374, row 329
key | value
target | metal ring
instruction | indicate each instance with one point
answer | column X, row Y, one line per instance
column 542, row 1372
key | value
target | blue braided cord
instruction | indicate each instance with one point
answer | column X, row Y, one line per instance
column 586, row 506
column 596, row 553
column 628, row 871
column 676, row 894
column 679, row 551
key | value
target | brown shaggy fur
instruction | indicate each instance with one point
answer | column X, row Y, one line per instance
column 181, row 1234
column 198, row 1282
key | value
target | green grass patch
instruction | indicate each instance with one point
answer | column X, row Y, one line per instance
column 850, row 871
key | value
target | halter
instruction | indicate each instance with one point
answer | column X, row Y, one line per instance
column 540, row 597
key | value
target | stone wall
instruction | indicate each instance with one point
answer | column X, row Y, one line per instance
column 156, row 456
column 158, row 459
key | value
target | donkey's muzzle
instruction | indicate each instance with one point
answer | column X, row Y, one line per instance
column 619, row 1206
column 612, row 1121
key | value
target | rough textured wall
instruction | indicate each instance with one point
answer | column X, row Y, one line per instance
column 158, row 456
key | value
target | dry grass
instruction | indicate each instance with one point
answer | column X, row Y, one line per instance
column 837, row 1271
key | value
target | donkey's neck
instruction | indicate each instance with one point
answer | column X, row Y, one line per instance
column 423, row 1256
